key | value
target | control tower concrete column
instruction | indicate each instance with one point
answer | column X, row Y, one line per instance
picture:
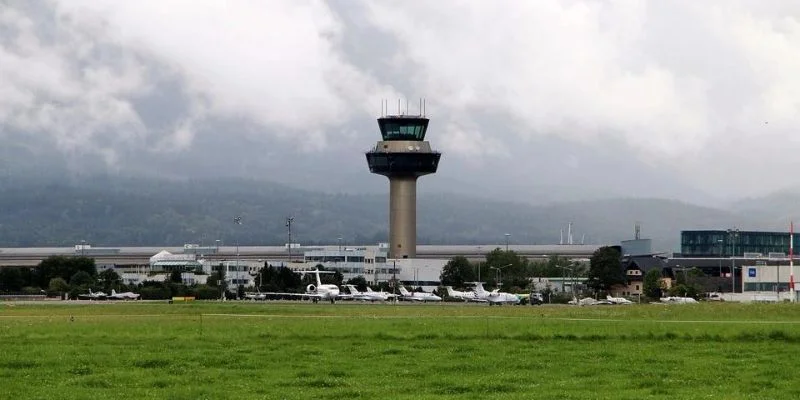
column 403, row 156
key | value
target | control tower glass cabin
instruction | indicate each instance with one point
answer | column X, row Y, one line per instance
column 403, row 156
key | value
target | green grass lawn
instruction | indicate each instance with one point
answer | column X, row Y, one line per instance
column 305, row 351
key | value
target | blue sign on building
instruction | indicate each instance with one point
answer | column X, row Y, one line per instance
column 751, row 272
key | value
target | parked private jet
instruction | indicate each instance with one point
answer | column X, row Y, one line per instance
column 93, row 296
column 465, row 295
column 369, row 295
column 418, row 296
column 495, row 296
column 255, row 296
column 315, row 292
column 618, row 300
column 123, row 295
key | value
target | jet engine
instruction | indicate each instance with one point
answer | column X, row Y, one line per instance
column 311, row 288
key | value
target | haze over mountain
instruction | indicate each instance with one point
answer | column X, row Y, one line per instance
column 531, row 102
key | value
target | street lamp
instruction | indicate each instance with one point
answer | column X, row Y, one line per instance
column 719, row 242
column 733, row 236
column 564, row 278
column 500, row 274
column 289, row 221
column 507, row 236
column 238, row 221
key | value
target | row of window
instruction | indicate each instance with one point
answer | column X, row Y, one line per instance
column 397, row 131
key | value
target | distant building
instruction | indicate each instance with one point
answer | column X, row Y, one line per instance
column 733, row 242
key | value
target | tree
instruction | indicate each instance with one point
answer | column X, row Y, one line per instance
column 513, row 269
column 359, row 282
column 175, row 276
column 109, row 277
column 605, row 269
column 652, row 284
column 81, row 278
column 457, row 271
column 58, row 285
column 10, row 279
column 63, row 267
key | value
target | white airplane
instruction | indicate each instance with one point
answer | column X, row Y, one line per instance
column 123, row 296
column 369, row 295
column 618, row 300
column 495, row 296
column 255, row 296
column 316, row 292
column 465, row 295
column 418, row 296
column 678, row 300
column 93, row 296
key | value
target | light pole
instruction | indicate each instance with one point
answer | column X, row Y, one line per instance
column 507, row 236
column 238, row 221
column 719, row 242
column 339, row 240
column 733, row 236
column 564, row 278
column 394, row 280
column 83, row 247
column 289, row 221
column 500, row 274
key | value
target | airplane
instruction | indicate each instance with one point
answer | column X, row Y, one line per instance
column 495, row 296
column 93, row 296
column 678, row 300
column 387, row 296
column 418, row 296
column 316, row 292
column 255, row 296
column 123, row 296
column 369, row 295
column 465, row 295
column 618, row 300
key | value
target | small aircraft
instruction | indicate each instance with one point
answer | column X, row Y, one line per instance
column 618, row 300
column 465, row 295
column 495, row 296
column 369, row 295
column 255, row 296
column 315, row 292
column 123, row 296
column 678, row 300
column 93, row 296
column 418, row 296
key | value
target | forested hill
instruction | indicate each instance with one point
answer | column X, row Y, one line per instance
column 108, row 211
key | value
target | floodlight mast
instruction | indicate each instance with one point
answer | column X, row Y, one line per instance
column 403, row 155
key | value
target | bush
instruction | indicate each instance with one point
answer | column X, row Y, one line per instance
column 155, row 293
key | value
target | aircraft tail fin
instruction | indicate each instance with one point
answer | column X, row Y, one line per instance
column 404, row 291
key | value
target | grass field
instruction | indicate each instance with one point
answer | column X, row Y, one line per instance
column 305, row 351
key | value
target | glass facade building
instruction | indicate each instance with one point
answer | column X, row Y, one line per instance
column 734, row 243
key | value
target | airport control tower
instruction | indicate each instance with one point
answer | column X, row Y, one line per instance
column 403, row 156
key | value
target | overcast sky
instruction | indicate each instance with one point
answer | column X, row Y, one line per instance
column 626, row 97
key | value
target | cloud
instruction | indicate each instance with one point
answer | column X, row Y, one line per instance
column 688, row 87
column 671, row 79
column 273, row 63
column 50, row 84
